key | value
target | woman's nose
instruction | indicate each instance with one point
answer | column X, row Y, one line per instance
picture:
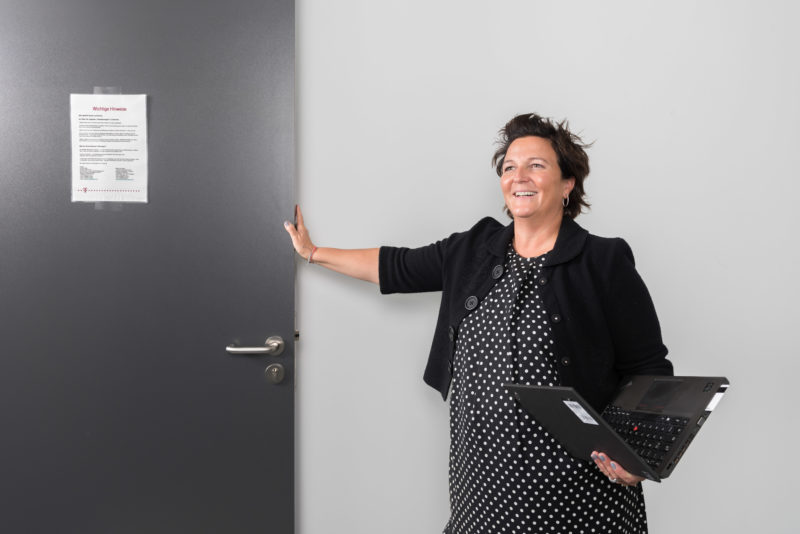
column 519, row 175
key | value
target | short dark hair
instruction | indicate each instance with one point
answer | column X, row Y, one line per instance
column 570, row 149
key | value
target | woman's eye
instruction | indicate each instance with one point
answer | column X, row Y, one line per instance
column 506, row 169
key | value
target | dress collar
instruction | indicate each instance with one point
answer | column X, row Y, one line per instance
column 569, row 243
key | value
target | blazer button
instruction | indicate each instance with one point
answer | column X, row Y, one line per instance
column 471, row 303
column 451, row 333
column 565, row 361
column 556, row 318
column 543, row 281
column 497, row 272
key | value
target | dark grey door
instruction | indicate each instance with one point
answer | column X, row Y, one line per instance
column 120, row 410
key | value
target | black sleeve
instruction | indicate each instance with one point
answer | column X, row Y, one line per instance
column 632, row 320
column 407, row 270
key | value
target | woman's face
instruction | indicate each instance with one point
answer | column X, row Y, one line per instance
column 531, row 179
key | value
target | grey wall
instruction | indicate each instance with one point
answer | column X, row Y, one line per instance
column 694, row 109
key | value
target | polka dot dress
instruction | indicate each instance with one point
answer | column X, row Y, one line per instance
column 507, row 475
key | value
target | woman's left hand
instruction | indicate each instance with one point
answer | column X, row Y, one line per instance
column 614, row 471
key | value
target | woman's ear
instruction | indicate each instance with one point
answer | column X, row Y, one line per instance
column 569, row 183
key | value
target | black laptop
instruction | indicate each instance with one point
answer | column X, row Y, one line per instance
column 646, row 428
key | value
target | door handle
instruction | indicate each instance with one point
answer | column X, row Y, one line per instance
column 273, row 345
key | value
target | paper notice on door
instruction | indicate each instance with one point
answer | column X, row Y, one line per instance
column 109, row 148
column 582, row 414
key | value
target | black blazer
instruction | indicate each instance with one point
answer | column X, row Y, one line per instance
column 603, row 320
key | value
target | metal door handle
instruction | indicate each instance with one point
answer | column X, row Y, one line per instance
column 273, row 345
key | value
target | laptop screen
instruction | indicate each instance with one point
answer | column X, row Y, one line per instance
column 669, row 394
column 658, row 395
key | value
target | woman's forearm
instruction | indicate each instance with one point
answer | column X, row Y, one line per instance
column 357, row 263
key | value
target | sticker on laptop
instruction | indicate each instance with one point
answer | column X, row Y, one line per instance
column 582, row 414
column 717, row 397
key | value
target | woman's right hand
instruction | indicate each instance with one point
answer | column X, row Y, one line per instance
column 357, row 263
column 299, row 234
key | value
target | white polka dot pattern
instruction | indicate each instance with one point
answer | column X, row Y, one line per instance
column 507, row 475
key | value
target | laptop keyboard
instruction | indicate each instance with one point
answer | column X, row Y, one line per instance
column 652, row 436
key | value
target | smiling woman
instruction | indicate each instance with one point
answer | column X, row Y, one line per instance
column 566, row 152
column 532, row 184
column 542, row 167
column 539, row 301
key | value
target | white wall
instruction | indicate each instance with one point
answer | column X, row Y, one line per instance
column 694, row 109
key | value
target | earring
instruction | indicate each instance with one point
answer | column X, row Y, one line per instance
column 565, row 202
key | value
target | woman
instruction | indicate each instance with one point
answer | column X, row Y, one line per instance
column 540, row 301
